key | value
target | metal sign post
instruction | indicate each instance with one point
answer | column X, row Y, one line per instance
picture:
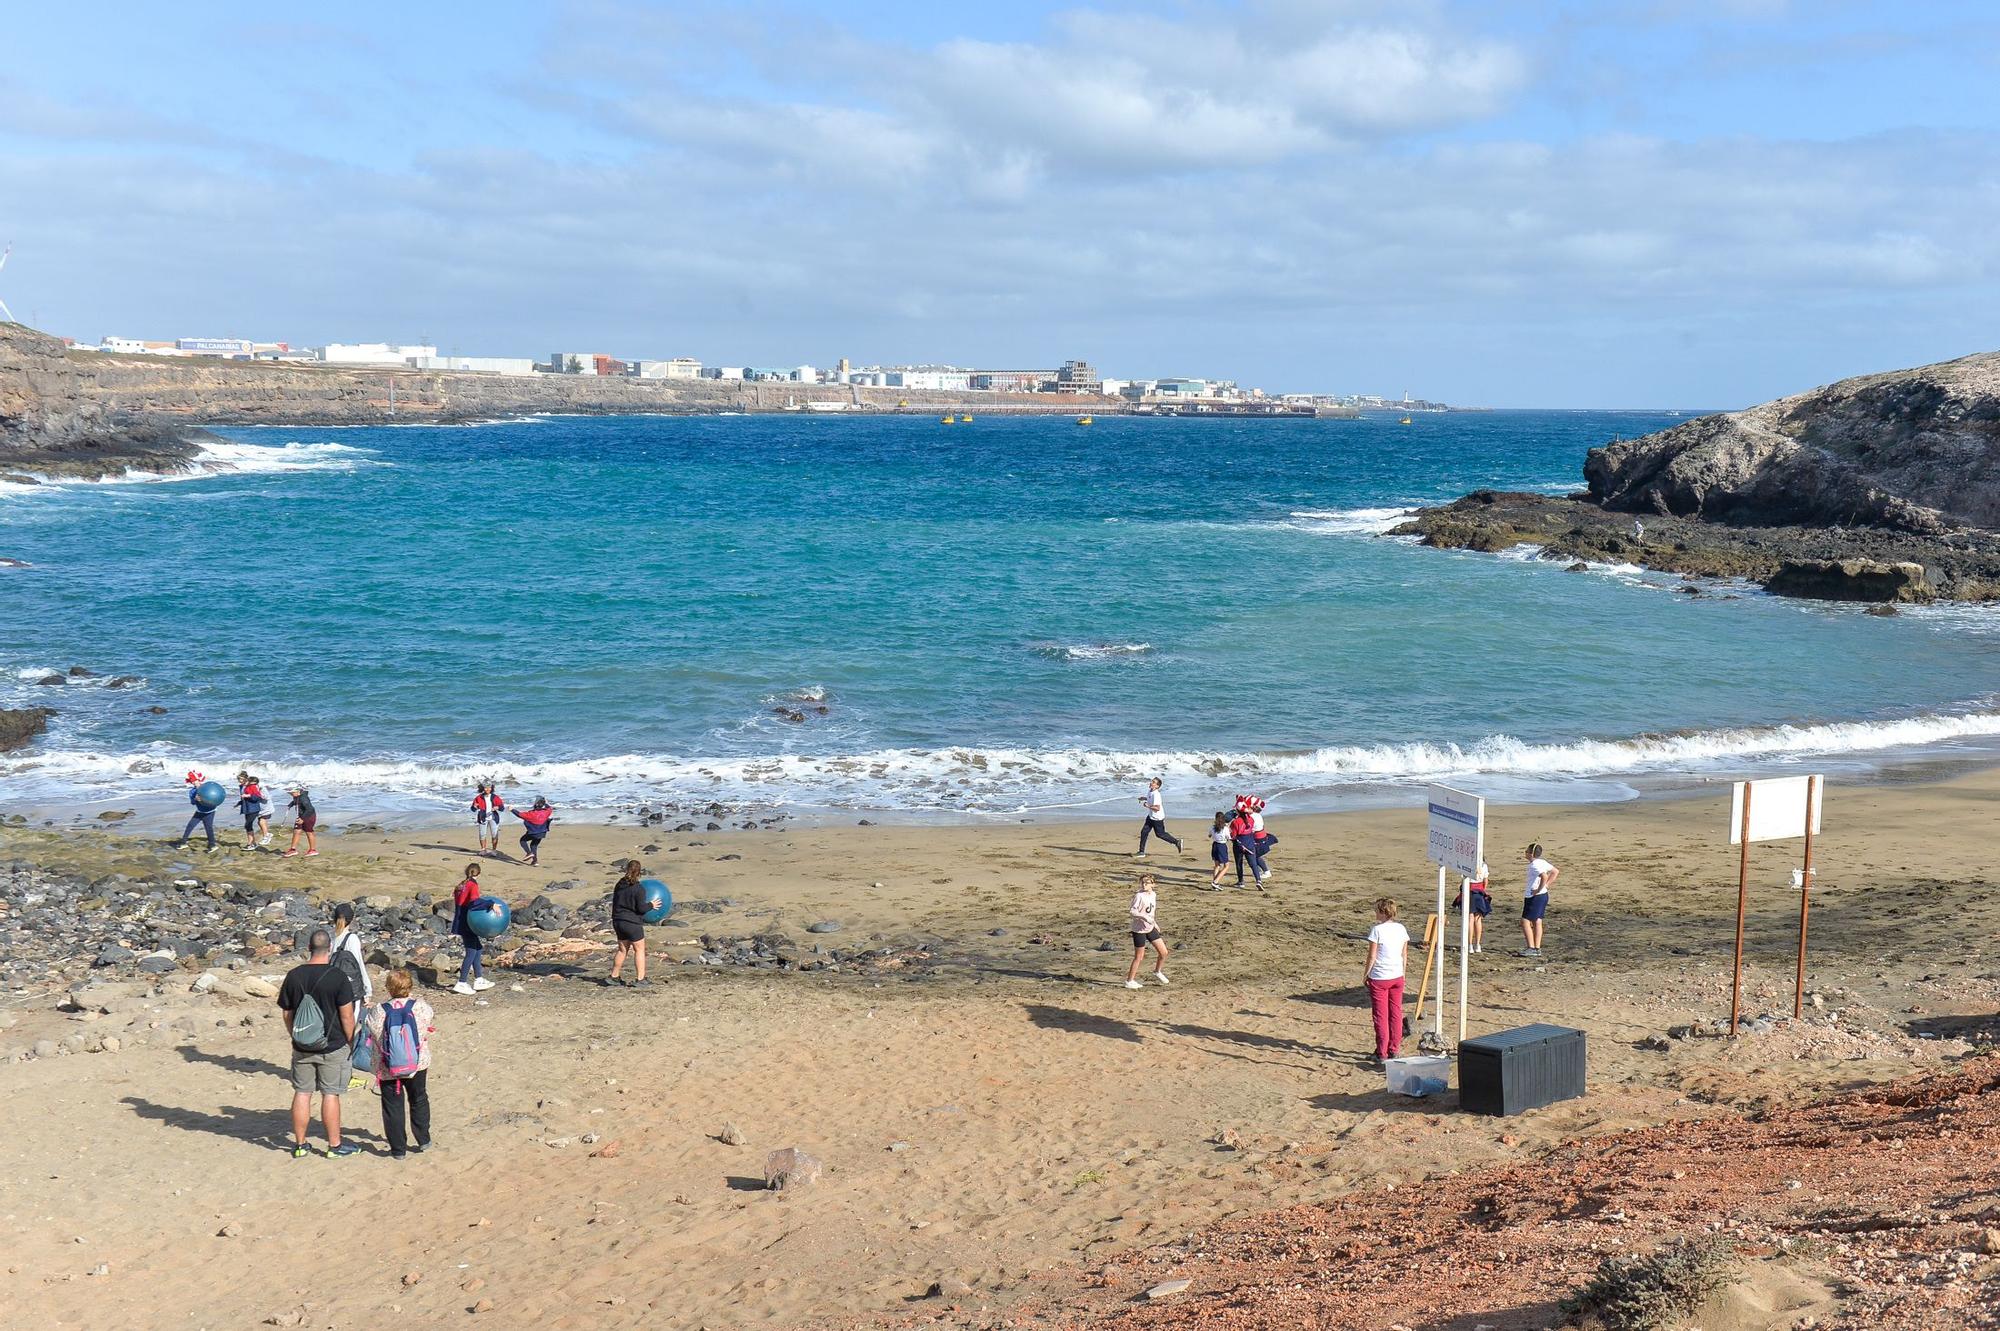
column 1457, row 845
column 1782, row 809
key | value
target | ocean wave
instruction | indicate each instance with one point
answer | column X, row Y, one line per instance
column 1346, row 521
column 997, row 779
column 221, row 458
column 1091, row 651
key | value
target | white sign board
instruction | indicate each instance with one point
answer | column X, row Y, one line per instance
column 1777, row 808
column 1458, row 830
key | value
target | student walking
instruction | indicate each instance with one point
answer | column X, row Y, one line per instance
column 534, row 826
column 256, row 809
column 1146, row 933
column 1243, row 835
column 319, row 1016
column 401, row 1031
column 1388, row 959
column 472, row 969
column 202, row 817
column 628, row 921
column 487, row 810
column 1481, row 906
column 1219, row 840
column 306, row 823
column 1535, row 904
column 1156, row 820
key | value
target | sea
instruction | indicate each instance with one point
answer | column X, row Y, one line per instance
column 888, row 617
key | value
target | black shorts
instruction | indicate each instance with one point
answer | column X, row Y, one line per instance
column 1140, row 940
column 1482, row 903
column 1218, row 852
column 628, row 933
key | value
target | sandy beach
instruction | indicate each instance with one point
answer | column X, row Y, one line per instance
column 997, row 1115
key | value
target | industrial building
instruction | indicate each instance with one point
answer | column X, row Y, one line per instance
column 475, row 364
column 370, row 353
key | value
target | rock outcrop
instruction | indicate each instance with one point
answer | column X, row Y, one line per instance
column 20, row 725
column 1911, row 450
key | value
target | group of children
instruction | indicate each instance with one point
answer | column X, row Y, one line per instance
column 489, row 813
column 1387, row 961
column 255, row 806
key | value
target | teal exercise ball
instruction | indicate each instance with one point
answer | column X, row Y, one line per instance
column 210, row 794
column 659, row 900
column 488, row 917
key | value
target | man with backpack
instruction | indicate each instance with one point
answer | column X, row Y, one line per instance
column 400, row 1031
column 318, row 1002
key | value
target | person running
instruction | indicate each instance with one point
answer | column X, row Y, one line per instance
column 319, row 1016
column 1146, row 932
column 1482, row 905
column 1535, row 903
column 1156, row 820
column 472, row 969
column 202, row 817
column 305, row 823
column 487, row 810
column 256, row 808
column 401, row 1032
column 628, row 921
column 1388, row 958
column 1219, row 840
column 534, row 826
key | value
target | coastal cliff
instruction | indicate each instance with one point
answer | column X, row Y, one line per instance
column 73, row 414
column 1883, row 488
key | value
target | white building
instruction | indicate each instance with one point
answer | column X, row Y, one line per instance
column 680, row 367
column 724, row 372
column 939, row 381
column 474, row 364
column 805, row 374
column 369, row 353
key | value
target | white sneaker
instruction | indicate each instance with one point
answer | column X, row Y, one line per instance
column 1161, row 976
column 1140, row 856
column 463, row 988
column 1134, row 984
column 482, row 983
column 264, row 840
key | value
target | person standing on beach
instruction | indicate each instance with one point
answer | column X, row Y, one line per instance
column 487, row 810
column 1535, row 904
column 1146, row 932
column 628, row 921
column 1388, row 959
column 534, row 826
column 1156, row 820
column 1242, row 832
column 305, row 824
column 472, row 970
column 1481, row 906
column 202, row 817
column 256, row 809
column 401, row 1031
column 1264, row 840
column 1219, row 840
column 319, row 1015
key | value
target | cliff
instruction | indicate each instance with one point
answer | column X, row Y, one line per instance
column 1884, row 488
column 1911, row 450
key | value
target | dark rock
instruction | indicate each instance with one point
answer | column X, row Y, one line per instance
column 156, row 965
column 157, row 710
column 1851, row 580
column 1578, row 567
column 50, row 681
column 20, row 725
column 123, row 682
column 79, row 672
column 111, row 954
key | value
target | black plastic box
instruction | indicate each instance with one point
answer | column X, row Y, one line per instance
column 1509, row 1072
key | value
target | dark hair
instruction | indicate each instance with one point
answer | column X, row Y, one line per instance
column 343, row 913
column 472, row 870
column 320, row 943
column 1534, row 850
column 630, row 874
column 541, row 803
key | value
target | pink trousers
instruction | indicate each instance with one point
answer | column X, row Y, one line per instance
column 1386, row 998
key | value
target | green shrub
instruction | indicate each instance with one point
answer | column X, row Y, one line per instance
column 1651, row 1293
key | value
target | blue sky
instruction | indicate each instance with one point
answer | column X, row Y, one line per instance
column 1622, row 203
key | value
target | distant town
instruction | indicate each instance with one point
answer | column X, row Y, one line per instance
column 1073, row 377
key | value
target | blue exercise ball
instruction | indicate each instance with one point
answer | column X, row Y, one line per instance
column 210, row 794
column 488, row 917
column 659, row 900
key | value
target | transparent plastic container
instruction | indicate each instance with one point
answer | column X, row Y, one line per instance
column 1420, row 1075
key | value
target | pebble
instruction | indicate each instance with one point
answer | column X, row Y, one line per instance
column 731, row 1135
column 229, row 1231
column 790, row 1169
column 483, row 1306
column 1166, row 1289
column 947, row 1286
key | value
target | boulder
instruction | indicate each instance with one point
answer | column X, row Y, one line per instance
column 1850, row 580
column 20, row 725
column 789, row 1169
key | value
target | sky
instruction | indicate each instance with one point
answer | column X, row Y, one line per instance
column 1561, row 203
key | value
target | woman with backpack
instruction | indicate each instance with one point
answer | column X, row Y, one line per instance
column 401, row 1032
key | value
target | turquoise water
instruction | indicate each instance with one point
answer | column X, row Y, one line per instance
column 1003, row 616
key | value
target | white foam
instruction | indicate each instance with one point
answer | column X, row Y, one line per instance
column 1000, row 779
column 1346, row 521
column 1093, row 651
column 224, row 457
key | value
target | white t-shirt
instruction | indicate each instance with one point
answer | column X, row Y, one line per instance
column 1256, row 823
column 347, row 942
column 1538, row 873
column 1144, row 905
column 1220, row 835
column 1391, row 941
column 1155, row 806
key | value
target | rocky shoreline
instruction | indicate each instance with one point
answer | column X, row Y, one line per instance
column 1838, row 564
